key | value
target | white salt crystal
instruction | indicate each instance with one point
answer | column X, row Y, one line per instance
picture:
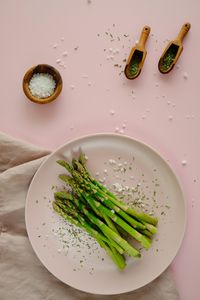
column 112, row 112
column 184, row 162
column 118, row 187
column 84, row 76
column 185, row 75
column 101, row 180
column 42, row 85
column 112, row 162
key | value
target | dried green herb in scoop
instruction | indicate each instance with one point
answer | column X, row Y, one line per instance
column 169, row 58
column 135, row 63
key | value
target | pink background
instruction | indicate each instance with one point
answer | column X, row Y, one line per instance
column 160, row 110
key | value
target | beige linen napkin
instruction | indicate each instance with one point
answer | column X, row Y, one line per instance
column 22, row 276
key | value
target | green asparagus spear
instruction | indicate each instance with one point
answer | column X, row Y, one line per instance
column 103, row 192
column 97, row 210
column 81, row 167
column 63, row 210
column 107, row 231
column 145, row 242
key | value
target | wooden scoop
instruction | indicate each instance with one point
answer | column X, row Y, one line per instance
column 173, row 51
column 137, row 56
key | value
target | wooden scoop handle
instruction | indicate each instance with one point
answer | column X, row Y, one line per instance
column 184, row 30
column 144, row 35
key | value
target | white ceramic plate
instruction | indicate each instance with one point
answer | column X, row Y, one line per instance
column 74, row 257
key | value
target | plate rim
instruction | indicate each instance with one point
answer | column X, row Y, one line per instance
column 132, row 139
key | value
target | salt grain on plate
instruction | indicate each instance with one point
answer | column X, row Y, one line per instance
column 101, row 180
column 118, row 187
column 112, row 162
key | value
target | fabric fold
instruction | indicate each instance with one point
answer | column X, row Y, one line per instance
column 14, row 152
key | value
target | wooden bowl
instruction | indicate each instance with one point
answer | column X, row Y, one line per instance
column 43, row 68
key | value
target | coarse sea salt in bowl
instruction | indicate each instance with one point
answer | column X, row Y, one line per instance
column 42, row 84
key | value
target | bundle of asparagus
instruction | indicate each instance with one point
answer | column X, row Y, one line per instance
column 91, row 206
